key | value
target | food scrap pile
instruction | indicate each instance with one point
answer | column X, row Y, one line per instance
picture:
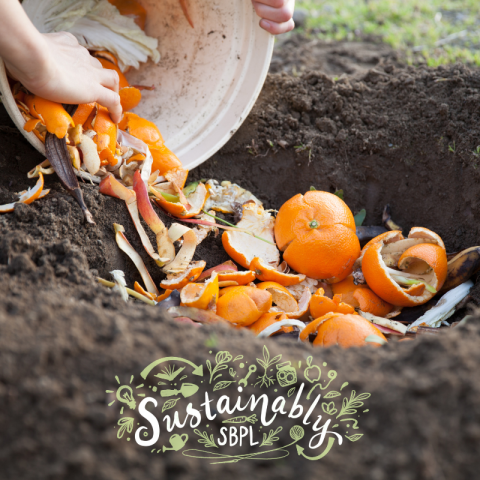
column 304, row 271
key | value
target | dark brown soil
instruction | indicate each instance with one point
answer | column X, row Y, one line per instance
column 296, row 54
column 401, row 136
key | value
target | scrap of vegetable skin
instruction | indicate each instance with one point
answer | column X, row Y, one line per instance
column 183, row 4
column 112, row 187
column 229, row 226
column 131, row 292
column 57, row 153
column 165, row 246
column 125, row 246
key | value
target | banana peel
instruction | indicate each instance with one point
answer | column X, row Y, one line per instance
column 461, row 268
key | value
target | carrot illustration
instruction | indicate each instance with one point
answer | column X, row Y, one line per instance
column 252, row 419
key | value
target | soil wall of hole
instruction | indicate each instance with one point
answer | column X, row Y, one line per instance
column 387, row 135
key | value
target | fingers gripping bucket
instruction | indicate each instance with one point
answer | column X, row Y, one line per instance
column 206, row 82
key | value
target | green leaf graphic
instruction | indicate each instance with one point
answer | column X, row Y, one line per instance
column 291, row 391
column 270, row 438
column 329, row 408
column 170, row 404
column 209, row 442
column 332, row 394
column 221, row 385
column 354, row 438
column 125, row 423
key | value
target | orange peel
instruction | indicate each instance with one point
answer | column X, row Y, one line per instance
column 138, row 157
column 104, row 126
column 31, row 124
column 312, row 327
column 280, row 296
column 163, row 296
column 243, row 306
column 51, row 114
column 225, row 290
column 123, row 82
column 242, row 247
column 178, row 177
column 179, row 280
column 267, row 319
column 139, row 289
column 422, row 263
column 268, row 273
column 27, row 197
column 227, row 283
column 320, row 305
column 142, row 129
column 303, row 305
column 106, row 54
column 195, row 201
column 129, row 98
column 201, row 295
column 346, row 331
column 241, row 278
column 82, row 113
column 132, row 9
column 369, row 302
column 164, row 160
column 346, row 288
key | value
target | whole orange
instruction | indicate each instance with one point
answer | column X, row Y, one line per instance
column 316, row 233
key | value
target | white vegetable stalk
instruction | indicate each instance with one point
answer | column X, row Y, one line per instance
column 384, row 322
column 444, row 309
column 97, row 25
column 120, row 284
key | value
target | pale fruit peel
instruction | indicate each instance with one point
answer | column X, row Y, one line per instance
column 126, row 247
column 243, row 248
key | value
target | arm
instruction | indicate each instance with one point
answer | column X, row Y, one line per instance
column 276, row 15
column 54, row 66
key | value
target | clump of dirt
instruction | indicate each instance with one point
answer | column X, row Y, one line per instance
column 298, row 53
column 401, row 136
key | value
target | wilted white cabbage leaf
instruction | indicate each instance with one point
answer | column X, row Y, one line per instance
column 97, row 25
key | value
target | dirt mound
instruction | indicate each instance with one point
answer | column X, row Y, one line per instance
column 298, row 53
column 400, row 136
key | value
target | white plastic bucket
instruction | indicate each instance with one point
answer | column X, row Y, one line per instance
column 206, row 82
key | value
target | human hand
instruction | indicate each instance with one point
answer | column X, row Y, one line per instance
column 276, row 15
column 65, row 72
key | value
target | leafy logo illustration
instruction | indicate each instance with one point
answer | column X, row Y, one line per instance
column 266, row 362
column 270, row 438
column 278, row 390
column 329, row 408
column 125, row 424
column 221, row 360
